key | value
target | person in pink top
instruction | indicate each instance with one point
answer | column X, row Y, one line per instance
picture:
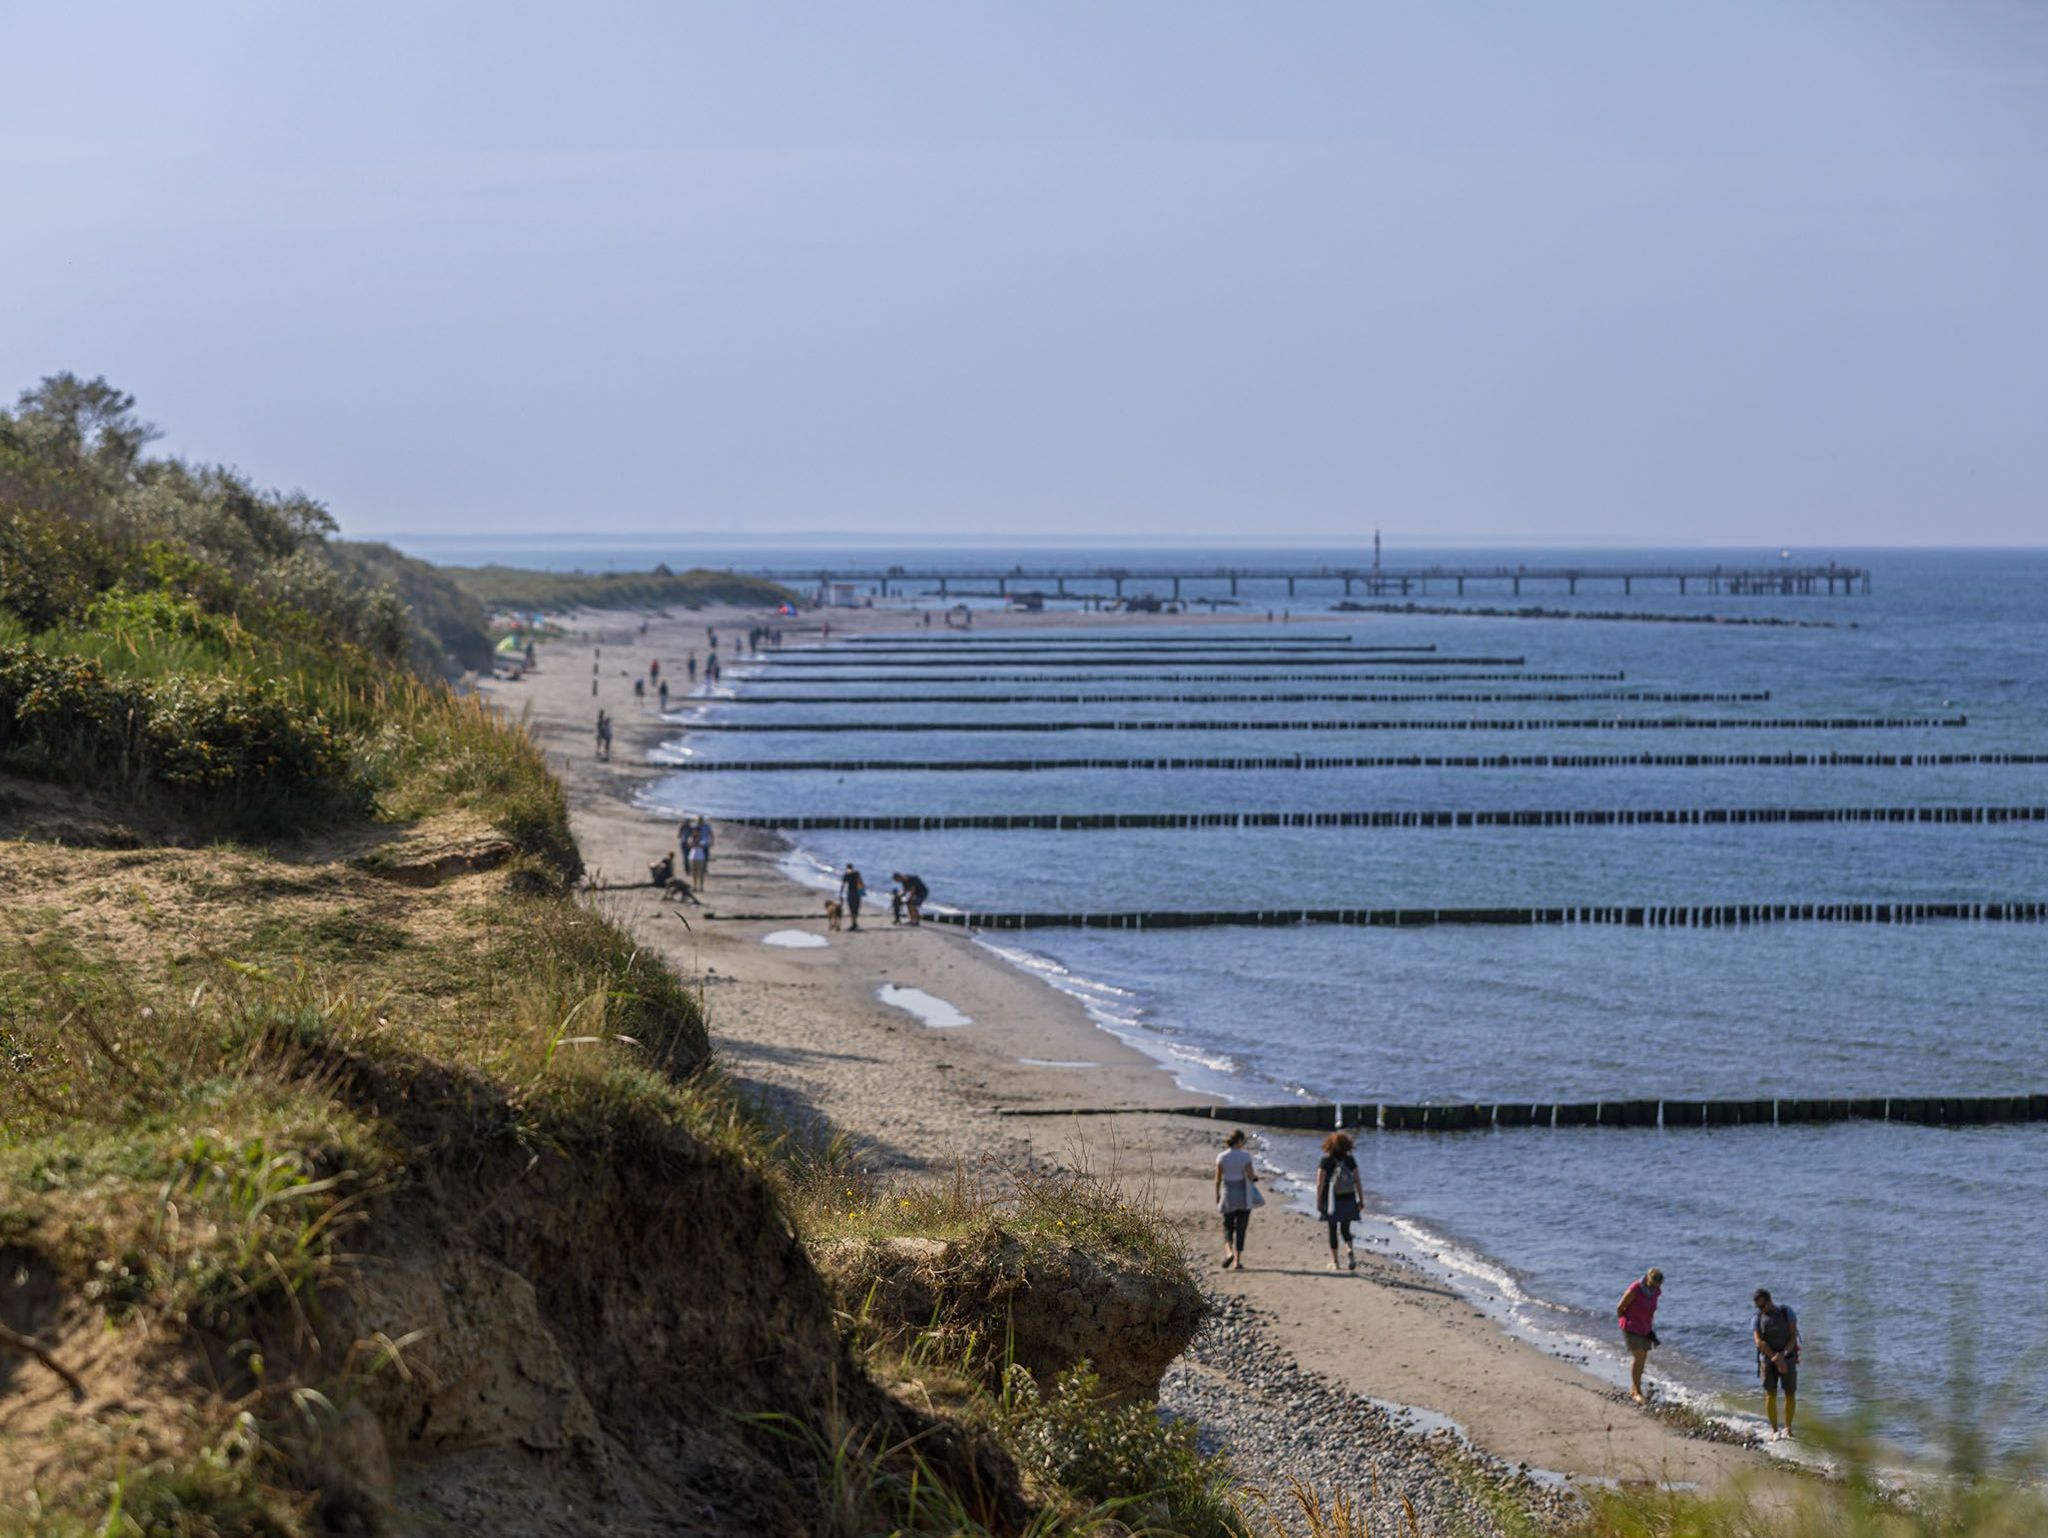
column 1637, row 1312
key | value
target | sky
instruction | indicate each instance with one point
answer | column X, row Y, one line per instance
column 1616, row 272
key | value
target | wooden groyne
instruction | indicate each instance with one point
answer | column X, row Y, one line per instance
column 1629, row 916
column 1014, row 645
column 1510, row 817
column 1369, row 724
column 839, row 680
column 1504, row 697
column 1487, row 1116
column 1305, row 761
column 1332, row 656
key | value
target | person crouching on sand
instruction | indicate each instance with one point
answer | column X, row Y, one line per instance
column 1337, row 1195
column 1637, row 1312
column 1237, row 1192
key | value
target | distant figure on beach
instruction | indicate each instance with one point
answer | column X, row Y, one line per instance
column 639, row 688
column 662, row 871
column 1637, row 1312
column 697, row 852
column 1776, row 1333
column 711, row 668
column 654, row 669
column 851, row 890
column 604, row 734
column 911, row 895
column 529, row 654
column 711, row 638
column 692, row 666
column 1237, row 1192
column 1337, row 1193
column 664, row 694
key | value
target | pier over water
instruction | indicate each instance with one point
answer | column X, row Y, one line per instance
column 1073, row 581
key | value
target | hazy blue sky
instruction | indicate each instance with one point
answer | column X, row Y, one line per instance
column 1721, row 272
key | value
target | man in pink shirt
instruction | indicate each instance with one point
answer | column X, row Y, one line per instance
column 1637, row 1312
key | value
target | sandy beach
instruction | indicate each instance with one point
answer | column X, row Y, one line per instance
column 808, row 1028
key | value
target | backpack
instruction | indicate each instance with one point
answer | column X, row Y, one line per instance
column 1344, row 1180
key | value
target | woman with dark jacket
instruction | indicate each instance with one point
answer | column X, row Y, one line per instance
column 1337, row 1193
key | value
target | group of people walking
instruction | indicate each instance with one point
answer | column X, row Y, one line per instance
column 693, row 837
column 1774, row 1330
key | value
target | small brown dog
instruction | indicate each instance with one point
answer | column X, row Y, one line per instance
column 833, row 910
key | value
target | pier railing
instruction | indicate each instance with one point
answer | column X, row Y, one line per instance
column 1783, row 579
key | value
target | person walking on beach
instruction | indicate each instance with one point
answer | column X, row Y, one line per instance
column 664, row 694
column 851, row 890
column 691, row 664
column 1337, row 1195
column 697, row 852
column 604, row 736
column 1776, row 1333
column 1637, row 1312
column 1237, row 1192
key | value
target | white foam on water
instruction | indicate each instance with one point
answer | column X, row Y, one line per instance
column 928, row 1007
column 796, row 939
column 1115, row 1010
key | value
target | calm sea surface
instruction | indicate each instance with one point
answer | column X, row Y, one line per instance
column 1918, row 1258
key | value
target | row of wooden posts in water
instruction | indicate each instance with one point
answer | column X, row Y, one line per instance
column 1500, row 817
column 1382, row 1116
column 1550, row 697
column 1364, row 724
column 1307, row 761
column 1632, row 916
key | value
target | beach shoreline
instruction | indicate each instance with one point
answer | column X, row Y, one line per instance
column 812, row 1032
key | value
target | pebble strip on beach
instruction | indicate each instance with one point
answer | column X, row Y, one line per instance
column 1279, row 1423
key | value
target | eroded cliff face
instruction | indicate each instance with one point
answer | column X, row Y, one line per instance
column 1040, row 1302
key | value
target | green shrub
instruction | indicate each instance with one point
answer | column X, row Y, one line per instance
column 51, row 567
column 1098, row 1450
column 214, row 745
column 58, row 714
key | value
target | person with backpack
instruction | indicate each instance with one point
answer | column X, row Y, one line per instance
column 1337, row 1195
column 1237, row 1192
column 1637, row 1312
column 851, row 890
column 1776, row 1333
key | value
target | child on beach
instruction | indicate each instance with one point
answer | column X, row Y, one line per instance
column 1337, row 1195
column 1237, row 1192
column 1637, row 1312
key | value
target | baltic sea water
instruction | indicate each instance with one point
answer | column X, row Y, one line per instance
column 1918, row 1257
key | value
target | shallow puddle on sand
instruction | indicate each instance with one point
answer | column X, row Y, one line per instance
column 930, row 1008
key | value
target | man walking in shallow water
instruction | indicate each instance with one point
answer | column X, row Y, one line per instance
column 1637, row 1312
column 1776, row 1333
